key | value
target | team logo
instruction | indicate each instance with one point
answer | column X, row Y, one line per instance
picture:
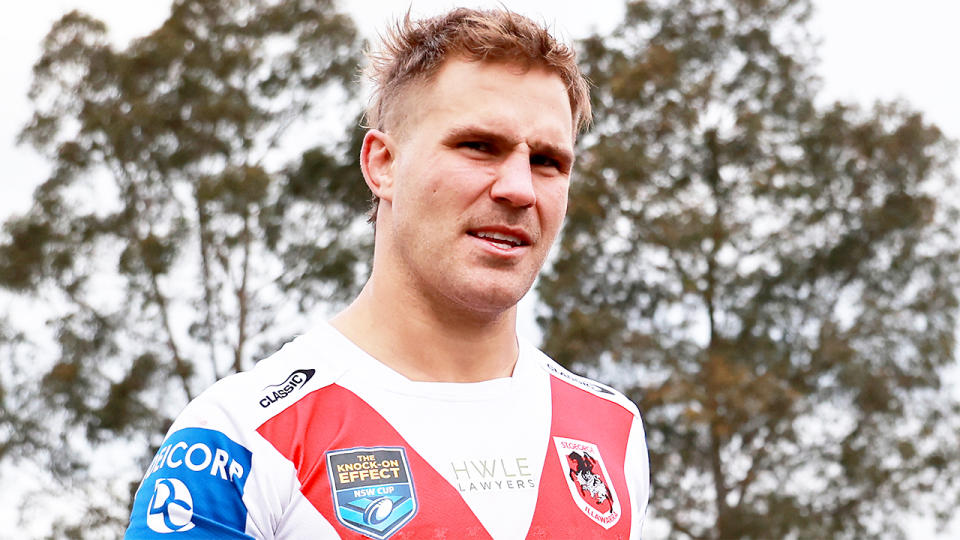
column 171, row 507
column 588, row 480
column 372, row 489
column 276, row 392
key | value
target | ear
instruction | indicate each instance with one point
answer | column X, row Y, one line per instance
column 377, row 157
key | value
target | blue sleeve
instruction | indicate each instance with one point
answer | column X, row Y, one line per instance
column 193, row 487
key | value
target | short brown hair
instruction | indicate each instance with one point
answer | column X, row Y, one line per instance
column 414, row 51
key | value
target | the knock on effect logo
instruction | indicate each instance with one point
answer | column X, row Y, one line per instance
column 372, row 489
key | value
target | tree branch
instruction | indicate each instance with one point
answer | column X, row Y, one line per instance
column 242, row 297
column 208, row 299
column 180, row 366
column 686, row 531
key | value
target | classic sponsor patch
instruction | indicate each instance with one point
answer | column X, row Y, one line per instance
column 588, row 480
column 193, row 486
column 276, row 392
column 373, row 491
column 578, row 380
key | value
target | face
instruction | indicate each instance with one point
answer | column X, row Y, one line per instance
column 477, row 184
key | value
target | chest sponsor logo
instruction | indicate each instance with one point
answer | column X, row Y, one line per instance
column 196, row 472
column 294, row 381
column 373, row 490
column 588, row 480
column 492, row 474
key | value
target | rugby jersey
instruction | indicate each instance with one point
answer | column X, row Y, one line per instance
column 321, row 440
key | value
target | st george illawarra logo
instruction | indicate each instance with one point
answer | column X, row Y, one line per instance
column 373, row 490
column 589, row 482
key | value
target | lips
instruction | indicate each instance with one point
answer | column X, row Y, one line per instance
column 503, row 237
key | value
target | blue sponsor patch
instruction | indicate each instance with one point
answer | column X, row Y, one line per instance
column 372, row 489
column 194, row 487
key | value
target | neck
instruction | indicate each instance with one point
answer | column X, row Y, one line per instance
column 428, row 340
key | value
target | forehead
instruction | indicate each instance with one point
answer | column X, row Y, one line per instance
column 495, row 95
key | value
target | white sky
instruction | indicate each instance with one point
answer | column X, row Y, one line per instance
column 871, row 49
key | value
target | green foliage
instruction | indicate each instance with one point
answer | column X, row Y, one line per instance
column 18, row 430
column 772, row 279
column 186, row 228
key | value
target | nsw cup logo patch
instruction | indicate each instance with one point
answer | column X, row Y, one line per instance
column 588, row 480
column 373, row 490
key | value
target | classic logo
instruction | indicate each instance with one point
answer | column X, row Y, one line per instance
column 373, row 491
column 578, row 380
column 276, row 392
column 171, row 507
column 588, row 480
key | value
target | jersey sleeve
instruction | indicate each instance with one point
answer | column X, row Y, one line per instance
column 215, row 476
column 637, row 471
column 194, row 487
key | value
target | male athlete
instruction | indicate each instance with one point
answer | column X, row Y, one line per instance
column 417, row 412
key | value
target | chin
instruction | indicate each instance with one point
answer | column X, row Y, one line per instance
column 493, row 301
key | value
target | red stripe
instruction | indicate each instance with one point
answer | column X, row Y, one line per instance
column 333, row 418
column 580, row 415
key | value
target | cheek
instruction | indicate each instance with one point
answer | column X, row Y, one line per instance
column 416, row 188
column 456, row 186
column 553, row 206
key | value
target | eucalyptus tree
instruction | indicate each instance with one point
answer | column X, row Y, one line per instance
column 771, row 276
column 202, row 200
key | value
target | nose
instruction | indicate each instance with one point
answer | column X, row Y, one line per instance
column 514, row 182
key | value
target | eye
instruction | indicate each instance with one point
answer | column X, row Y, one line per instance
column 479, row 146
column 541, row 160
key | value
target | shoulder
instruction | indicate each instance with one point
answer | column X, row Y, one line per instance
column 592, row 390
column 213, row 459
column 243, row 401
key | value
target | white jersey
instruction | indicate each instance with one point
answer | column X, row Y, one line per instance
column 320, row 440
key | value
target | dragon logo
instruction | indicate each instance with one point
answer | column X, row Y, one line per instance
column 592, row 486
column 589, row 482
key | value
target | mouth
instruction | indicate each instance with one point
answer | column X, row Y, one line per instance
column 502, row 238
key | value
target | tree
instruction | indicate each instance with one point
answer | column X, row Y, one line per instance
column 186, row 227
column 772, row 279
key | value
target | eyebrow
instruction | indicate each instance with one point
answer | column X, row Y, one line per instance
column 555, row 151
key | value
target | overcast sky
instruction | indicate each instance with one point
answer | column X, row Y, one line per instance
column 871, row 49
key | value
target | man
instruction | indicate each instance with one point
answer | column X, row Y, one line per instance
column 416, row 412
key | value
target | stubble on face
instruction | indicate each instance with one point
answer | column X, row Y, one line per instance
column 459, row 138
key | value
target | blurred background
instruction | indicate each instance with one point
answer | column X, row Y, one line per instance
column 761, row 248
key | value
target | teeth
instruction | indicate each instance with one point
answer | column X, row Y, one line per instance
column 498, row 237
